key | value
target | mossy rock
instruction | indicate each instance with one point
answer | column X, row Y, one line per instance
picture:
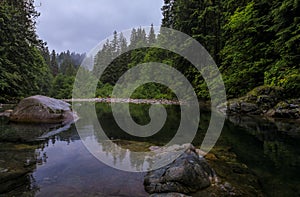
column 272, row 91
column 256, row 102
column 282, row 105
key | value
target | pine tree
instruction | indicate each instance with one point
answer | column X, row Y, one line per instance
column 53, row 64
column 151, row 36
column 23, row 68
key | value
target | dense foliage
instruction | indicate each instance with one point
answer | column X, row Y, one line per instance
column 23, row 71
column 120, row 56
column 26, row 65
column 253, row 43
column 63, row 67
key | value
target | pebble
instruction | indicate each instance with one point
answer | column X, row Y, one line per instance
column 3, row 170
column 228, row 186
column 293, row 106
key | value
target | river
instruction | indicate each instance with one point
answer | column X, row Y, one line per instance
column 251, row 154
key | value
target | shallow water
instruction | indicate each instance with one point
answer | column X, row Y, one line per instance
column 61, row 165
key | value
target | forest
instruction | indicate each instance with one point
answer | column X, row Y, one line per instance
column 253, row 43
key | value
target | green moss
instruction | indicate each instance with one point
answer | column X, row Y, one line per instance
column 265, row 90
column 282, row 105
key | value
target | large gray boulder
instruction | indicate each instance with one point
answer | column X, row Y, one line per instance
column 187, row 174
column 42, row 109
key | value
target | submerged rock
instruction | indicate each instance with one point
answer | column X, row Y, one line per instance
column 6, row 113
column 42, row 109
column 187, row 174
column 17, row 160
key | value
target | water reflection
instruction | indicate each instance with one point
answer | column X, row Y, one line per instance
column 19, row 155
column 270, row 148
column 26, row 132
column 279, row 138
column 101, row 135
column 60, row 165
column 71, row 170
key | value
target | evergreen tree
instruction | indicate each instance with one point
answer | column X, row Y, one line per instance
column 23, row 70
column 133, row 38
column 151, row 36
column 53, row 64
column 253, row 42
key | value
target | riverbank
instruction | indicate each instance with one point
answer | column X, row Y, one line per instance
column 267, row 101
column 128, row 100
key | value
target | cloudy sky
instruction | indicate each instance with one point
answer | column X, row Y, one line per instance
column 79, row 25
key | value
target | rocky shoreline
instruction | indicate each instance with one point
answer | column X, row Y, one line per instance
column 266, row 101
column 127, row 100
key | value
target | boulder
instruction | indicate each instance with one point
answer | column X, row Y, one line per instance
column 263, row 100
column 286, row 109
column 239, row 107
column 169, row 195
column 42, row 109
column 249, row 107
column 187, row 174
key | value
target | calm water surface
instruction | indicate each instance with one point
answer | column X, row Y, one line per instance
column 61, row 165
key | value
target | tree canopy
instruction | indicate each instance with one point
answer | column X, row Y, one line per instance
column 253, row 43
column 23, row 70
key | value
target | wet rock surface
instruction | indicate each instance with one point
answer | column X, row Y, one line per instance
column 264, row 100
column 286, row 109
column 42, row 109
column 217, row 174
column 187, row 174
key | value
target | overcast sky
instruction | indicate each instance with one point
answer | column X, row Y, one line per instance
column 79, row 25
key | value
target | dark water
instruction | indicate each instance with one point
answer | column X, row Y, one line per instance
column 61, row 165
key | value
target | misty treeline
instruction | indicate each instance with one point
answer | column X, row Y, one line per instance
column 26, row 66
column 63, row 68
column 119, row 55
column 253, row 43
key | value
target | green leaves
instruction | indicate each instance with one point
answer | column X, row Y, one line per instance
column 253, row 42
column 23, row 70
